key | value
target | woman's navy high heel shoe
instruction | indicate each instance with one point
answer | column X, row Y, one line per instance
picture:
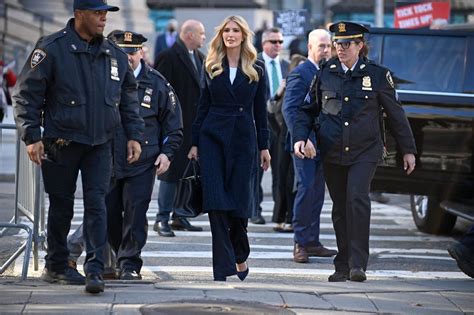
column 243, row 274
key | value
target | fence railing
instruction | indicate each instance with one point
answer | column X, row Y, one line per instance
column 29, row 202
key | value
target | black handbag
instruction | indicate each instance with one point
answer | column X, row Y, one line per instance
column 188, row 199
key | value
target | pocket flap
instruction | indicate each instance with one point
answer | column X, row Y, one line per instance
column 70, row 99
column 326, row 95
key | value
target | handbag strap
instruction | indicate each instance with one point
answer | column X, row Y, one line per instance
column 195, row 168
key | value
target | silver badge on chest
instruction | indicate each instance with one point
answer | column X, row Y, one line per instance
column 146, row 102
column 114, row 74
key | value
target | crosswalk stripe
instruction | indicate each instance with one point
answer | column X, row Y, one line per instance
column 385, row 238
column 316, row 272
column 270, row 226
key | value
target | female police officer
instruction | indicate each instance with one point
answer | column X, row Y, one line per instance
column 347, row 101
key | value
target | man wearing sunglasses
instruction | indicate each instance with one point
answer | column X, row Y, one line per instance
column 346, row 103
column 277, row 70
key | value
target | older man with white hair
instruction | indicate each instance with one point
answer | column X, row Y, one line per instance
column 309, row 174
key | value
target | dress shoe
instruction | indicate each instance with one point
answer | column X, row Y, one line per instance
column 258, row 219
column 94, row 283
column 182, row 224
column 379, row 197
column 320, row 251
column 128, row 274
column 163, row 229
column 279, row 227
column 300, row 255
column 69, row 276
column 288, row 228
column 339, row 276
column 243, row 274
column 357, row 274
column 464, row 258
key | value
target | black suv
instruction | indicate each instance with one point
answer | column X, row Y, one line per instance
column 434, row 72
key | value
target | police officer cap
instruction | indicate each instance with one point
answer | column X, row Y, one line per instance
column 347, row 31
column 93, row 5
column 129, row 41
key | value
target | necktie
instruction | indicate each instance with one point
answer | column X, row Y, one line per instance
column 348, row 74
column 191, row 55
column 275, row 81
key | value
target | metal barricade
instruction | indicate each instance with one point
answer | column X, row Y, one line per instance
column 29, row 202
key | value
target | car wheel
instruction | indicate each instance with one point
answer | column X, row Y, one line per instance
column 429, row 217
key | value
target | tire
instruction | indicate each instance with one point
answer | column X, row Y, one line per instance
column 429, row 217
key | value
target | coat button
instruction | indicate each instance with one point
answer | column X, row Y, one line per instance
column 346, row 149
column 241, row 109
column 346, row 124
column 73, row 102
column 116, row 104
column 346, row 99
column 326, row 97
column 366, row 97
column 146, row 141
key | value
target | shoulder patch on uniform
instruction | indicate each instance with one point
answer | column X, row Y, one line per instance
column 172, row 97
column 37, row 57
column 389, row 79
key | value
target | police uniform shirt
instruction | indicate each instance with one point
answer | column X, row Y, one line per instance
column 136, row 72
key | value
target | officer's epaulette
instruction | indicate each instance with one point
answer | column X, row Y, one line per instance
column 331, row 63
column 48, row 39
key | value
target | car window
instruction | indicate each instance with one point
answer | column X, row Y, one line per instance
column 422, row 63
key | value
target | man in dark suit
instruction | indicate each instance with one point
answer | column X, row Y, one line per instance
column 277, row 70
column 166, row 39
column 309, row 175
column 181, row 65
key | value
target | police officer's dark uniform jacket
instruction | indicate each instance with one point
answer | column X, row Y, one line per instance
column 132, row 184
column 79, row 92
column 161, row 111
column 349, row 109
column 346, row 110
column 77, row 102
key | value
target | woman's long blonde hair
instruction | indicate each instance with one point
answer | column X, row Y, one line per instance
column 217, row 50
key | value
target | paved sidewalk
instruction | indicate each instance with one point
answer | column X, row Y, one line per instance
column 259, row 294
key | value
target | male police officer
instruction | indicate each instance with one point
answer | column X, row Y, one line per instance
column 78, row 86
column 132, row 185
column 347, row 100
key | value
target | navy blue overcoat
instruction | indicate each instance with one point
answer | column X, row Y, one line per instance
column 229, row 130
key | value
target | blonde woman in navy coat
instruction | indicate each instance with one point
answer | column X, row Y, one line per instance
column 230, row 137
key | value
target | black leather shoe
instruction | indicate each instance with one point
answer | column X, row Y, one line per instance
column 320, row 251
column 94, row 283
column 163, row 229
column 69, row 276
column 464, row 258
column 182, row 224
column 258, row 219
column 128, row 274
column 339, row 276
column 357, row 274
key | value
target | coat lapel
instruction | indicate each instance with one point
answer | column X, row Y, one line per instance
column 226, row 78
column 183, row 54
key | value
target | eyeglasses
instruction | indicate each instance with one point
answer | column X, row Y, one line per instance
column 344, row 45
column 274, row 41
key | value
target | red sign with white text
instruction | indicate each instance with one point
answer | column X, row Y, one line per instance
column 421, row 14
